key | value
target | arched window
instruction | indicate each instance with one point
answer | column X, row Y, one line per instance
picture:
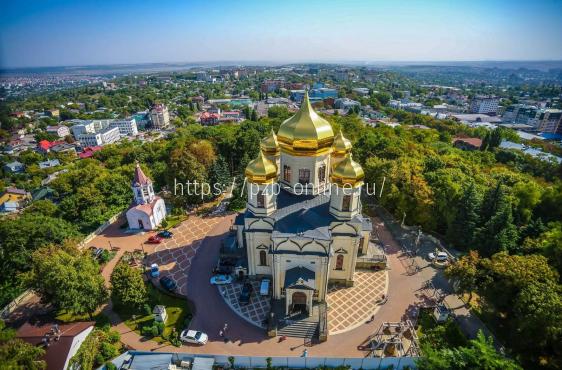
column 287, row 173
column 322, row 173
column 263, row 258
column 346, row 203
column 304, row 176
column 339, row 262
column 260, row 199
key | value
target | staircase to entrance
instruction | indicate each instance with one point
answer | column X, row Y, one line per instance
column 299, row 325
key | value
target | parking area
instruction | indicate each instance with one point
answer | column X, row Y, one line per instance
column 256, row 311
column 174, row 256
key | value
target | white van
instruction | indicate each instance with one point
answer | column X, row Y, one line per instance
column 264, row 287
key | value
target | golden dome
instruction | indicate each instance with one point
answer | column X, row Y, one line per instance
column 261, row 170
column 341, row 146
column 347, row 172
column 306, row 132
column 269, row 144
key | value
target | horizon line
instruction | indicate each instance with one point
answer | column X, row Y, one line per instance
column 280, row 63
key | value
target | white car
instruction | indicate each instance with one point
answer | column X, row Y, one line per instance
column 194, row 336
column 441, row 257
column 221, row 279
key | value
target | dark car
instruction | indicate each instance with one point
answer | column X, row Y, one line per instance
column 96, row 252
column 246, row 293
column 165, row 234
column 168, row 283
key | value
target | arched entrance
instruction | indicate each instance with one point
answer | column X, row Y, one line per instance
column 298, row 302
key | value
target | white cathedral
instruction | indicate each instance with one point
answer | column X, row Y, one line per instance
column 147, row 210
column 303, row 226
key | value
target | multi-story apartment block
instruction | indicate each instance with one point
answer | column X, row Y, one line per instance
column 127, row 126
column 484, row 105
column 159, row 116
column 550, row 121
column 108, row 135
column 521, row 114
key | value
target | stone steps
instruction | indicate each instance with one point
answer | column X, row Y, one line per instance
column 300, row 329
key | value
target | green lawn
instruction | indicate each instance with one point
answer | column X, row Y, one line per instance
column 174, row 220
column 67, row 317
column 176, row 308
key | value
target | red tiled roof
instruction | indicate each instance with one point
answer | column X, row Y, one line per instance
column 57, row 351
column 89, row 151
column 147, row 208
column 474, row 141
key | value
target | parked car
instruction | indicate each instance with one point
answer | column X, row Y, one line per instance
column 154, row 239
column 264, row 287
column 165, row 234
column 221, row 279
column 168, row 283
column 194, row 336
column 246, row 294
column 154, row 271
column 441, row 257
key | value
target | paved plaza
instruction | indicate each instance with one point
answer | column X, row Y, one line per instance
column 175, row 255
column 258, row 308
column 353, row 306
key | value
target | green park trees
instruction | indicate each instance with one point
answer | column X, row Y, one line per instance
column 479, row 354
column 67, row 278
column 17, row 354
column 127, row 287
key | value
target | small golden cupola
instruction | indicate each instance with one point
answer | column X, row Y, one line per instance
column 306, row 133
column 269, row 144
column 261, row 170
column 341, row 148
column 347, row 173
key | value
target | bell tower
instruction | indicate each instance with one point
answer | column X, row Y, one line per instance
column 142, row 187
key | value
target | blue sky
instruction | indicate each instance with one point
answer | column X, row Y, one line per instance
column 84, row 32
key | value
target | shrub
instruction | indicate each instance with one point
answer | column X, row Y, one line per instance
column 108, row 351
column 146, row 331
column 147, row 309
column 160, row 326
column 155, row 331
column 113, row 336
column 110, row 366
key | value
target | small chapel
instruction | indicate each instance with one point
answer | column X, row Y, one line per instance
column 303, row 227
column 147, row 211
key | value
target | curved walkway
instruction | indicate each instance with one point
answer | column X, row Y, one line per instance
column 243, row 338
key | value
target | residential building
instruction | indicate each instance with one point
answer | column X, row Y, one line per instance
column 345, row 103
column 550, row 121
column 159, row 116
column 268, row 86
column 88, row 152
column 55, row 113
column 14, row 167
column 45, row 146
column 108, row 135
column 15, row 199
column 49, row 163
column 363, row 91
column 521, row 114
column 127, row 126
column 208, row 118
column 59, row 130
column 484, row 105
column 63, row 148
column 148, row 210
column 467, row 143
column 60, row 341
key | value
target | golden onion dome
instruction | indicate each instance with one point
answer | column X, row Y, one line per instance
column 306, row 132
column 269, row 144
column 347, row 172
column 261, row 170
column 342, row 146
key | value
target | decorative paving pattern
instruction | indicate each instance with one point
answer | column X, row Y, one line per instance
column 174, row 255
column 350, row 307
column 258, row 308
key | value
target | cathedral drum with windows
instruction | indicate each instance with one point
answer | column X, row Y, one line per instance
column 303, row 225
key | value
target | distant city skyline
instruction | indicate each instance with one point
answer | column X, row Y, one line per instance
column 65, row 33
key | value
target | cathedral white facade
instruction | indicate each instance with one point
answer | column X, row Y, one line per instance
column 147, row 210
column 303, row 226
